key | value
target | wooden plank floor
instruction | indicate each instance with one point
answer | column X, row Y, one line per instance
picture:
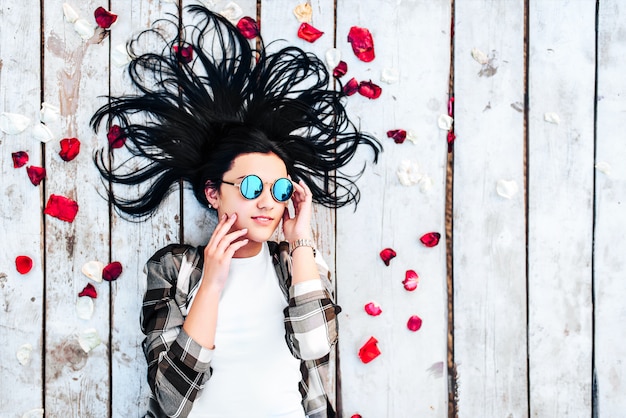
column 521, row 301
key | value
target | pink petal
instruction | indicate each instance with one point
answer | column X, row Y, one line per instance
column 61, row 207
column 340, row 70
column 23, row 264
column 362, row 43
column 410, row 280
column 104, row 18
column 373, row 309
column 430, row 239
column 112, row 271
column 351, row 87
column 414, row 323
column 116, row 137
column 309, row 33
column 369, row 351
column 20, row 159
column 248, row 27
column 35, row 174
column 398, row 135
column 89, row 291
column 369, row 90
column 184, row 54
column 387, row 254
column 70, row 147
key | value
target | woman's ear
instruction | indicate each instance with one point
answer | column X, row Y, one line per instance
column 212, row 196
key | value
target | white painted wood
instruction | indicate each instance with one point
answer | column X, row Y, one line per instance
column 409, row 378
column 560, row 218
column 610, row 216
column 76, row 383
column 489, row 253
column 21, row 296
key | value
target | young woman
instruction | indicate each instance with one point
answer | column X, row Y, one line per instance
column 243, row 326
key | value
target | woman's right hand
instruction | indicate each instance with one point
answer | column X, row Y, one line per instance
column 220, row 250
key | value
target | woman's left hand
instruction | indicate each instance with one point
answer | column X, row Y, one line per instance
column 300, row 225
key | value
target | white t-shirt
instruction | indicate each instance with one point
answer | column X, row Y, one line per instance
column 254, row 373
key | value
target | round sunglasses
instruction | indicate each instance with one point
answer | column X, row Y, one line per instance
column 251, row 187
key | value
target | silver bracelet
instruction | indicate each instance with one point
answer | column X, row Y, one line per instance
column 303, row 242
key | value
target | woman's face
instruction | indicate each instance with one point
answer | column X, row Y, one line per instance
column 260, row 216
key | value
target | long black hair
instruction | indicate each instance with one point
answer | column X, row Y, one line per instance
column 194, row 113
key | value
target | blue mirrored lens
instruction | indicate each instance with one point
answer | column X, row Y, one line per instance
column 251, row 187
column 282, row 189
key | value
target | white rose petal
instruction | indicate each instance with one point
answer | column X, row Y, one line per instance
column 408, row 173
column 390, row 76
column 89, row 339
column 84, row 307
column 232, row 11
column 70, row 14
column 23, row 354
column 85, row 29
column 34, row 413
column 209, row 4
column 426, row 184
column 93, row 270
column 411, row 136
column 507, row 188
column 49, row 113
column 552, row 118
column 604, row 167
column 13, row 123
column 480, row 56
column 445, row 122
column 42, row 133
column 333, row 56
column 119, row 55
column 303, row 12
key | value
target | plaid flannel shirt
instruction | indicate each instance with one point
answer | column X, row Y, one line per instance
column 178, row 367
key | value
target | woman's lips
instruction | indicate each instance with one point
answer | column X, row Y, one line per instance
column 263, row 220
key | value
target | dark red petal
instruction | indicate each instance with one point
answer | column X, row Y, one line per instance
column 70, row 147
column 104, row 18
column 35, row 174
column 23, row 264
column 369, row 351
column 369, row 90
column 387, row 254
column 340, row 70
column 184, row 54
column 373, row 309
column 308, row 32
column 20, row 159
column 61, row 207
column 362, row 43
column 398, row 135
column 410, row 280
column 351, row 87
column 248, row 27
column 112, row 271
column 451, row 138
column 414, row 323
column 431, row 239
column 116, row 137
column 89, row 291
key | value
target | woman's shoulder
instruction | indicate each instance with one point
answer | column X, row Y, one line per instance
column 174, row 255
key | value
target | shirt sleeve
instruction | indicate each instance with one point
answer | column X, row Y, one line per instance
column 178, row 367
column 311, row 316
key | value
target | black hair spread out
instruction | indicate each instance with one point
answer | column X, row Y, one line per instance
column 190, row 118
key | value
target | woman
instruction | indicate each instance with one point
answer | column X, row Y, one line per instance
column 241, row 327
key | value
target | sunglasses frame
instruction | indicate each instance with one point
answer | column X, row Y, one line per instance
column 238, row 185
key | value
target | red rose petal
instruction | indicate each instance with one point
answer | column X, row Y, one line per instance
column 70, row 147
column 248, row 27
column 387, row 254
column 451, row 106
column 369, row 351
column 116, row 137
column 356, row 416
column 398, row 135
column 410, row 280
column 451, row 137
column 362, row 43
column 351, row 87
column 309, row 33
column 340, row 70
column 369, row 90
column 35, row 174
column 104, row 18
column 373, row 309
column 23, row 264
column 112, row 271
column 89, row 291
column 431, row 239
column 61, row 207
column 20, row 159
column 414, row 323
column 184, row 54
